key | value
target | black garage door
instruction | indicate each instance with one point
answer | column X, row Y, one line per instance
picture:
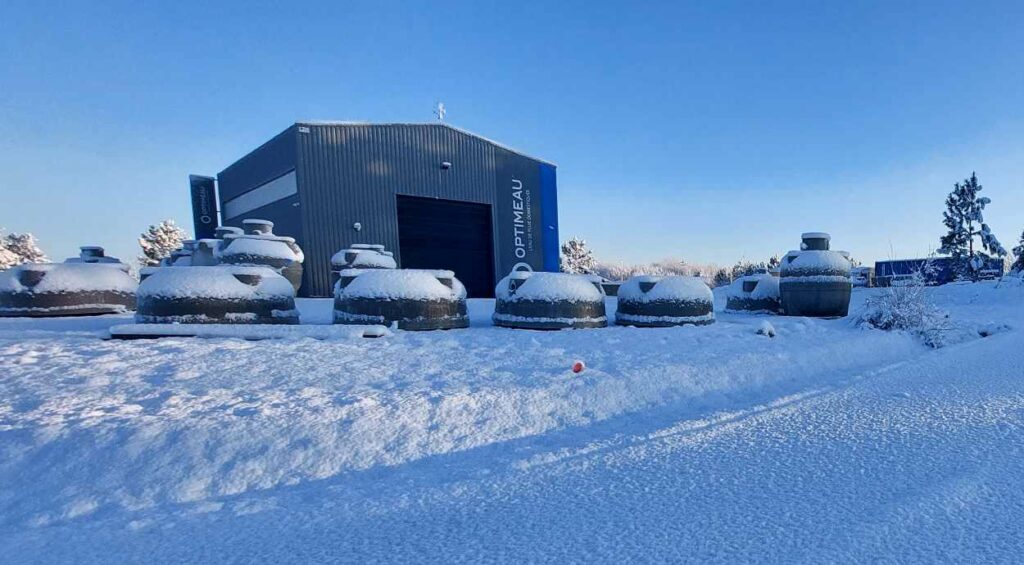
column 446, row 234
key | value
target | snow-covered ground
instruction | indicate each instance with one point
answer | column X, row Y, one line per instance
column 825, row 443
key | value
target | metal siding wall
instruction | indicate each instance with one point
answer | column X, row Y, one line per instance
column 352, row 173
column 267, row 162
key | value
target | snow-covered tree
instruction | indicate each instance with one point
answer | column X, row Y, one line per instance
column 744, row 268
column 722, row 278
column 18, row 248
column 964, row 217
column 7, row 258
column 576, row 258
column 774, row 262
column 158, row 241
column 1018, row 265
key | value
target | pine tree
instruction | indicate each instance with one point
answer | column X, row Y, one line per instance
column 722, row 278
column 7, row 258
column 745, row 268
column 576, row 258
column 159, row 241
column 964, row 217
column 1018, row 265
column 18, row 248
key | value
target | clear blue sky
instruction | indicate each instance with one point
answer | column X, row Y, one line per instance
column 712, row 131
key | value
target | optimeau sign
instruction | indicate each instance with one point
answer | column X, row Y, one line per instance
column 522, row 220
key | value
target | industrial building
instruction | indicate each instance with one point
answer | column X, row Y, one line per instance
column 437, row 196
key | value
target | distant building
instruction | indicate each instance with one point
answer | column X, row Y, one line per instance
column 437, row 196
column 935, row 271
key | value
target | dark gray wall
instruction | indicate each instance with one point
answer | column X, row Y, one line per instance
column 265, row 163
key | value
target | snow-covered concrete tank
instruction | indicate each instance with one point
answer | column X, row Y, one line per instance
column 815, row 281
column 258, row 245
column 548, row 301
column 90, row 284
column 415, row 299
column 754, row 293
column 227, row 294
column 361, row 256
column 658, row 302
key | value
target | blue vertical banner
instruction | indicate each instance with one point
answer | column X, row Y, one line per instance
column 204, row 205
column 549, row 217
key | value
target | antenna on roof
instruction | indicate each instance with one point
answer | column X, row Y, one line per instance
column 440, row 111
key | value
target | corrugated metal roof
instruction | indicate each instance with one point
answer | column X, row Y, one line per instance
column 422, row 124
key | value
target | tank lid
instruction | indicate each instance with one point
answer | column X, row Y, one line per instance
column 815, row 235
column 221, row 230
column 257, row 226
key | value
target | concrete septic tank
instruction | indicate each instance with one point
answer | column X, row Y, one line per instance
column 88, row 285
column 815, row 281
column 754, row 294
column 415, row 299
column 361, row 256
column 660, row 302
column 229, row 294
column 260, row 246
column 548, row 301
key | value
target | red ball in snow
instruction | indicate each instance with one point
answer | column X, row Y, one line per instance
column 578, row 367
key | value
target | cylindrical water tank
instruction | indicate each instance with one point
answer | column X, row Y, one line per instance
column 815, row 281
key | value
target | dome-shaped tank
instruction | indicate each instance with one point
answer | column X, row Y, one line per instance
column 658, row 302
column 229, row 294
column 548, row 301
column 260, row 246
column 757, row 293
column 815, row 281
column 87, row 285
column 415, row 299
column 361, row 256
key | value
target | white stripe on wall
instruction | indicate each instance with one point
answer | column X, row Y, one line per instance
column 266, row 193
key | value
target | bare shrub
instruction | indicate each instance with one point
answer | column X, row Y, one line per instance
column 906, row 306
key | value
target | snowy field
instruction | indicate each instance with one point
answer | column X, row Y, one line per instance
column 826, row 443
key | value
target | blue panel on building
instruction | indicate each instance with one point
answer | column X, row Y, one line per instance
column 549, row 217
